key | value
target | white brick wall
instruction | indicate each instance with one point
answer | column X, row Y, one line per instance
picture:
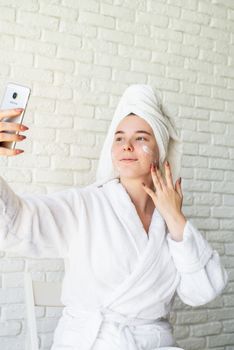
column 78, row 56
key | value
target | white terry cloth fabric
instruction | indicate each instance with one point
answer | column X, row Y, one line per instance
column 119, row 282
column 144, row 101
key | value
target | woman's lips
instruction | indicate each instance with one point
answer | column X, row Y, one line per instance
column 128, row 160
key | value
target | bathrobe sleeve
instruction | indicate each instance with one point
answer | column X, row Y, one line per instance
column 37, row 226
column 202, row 276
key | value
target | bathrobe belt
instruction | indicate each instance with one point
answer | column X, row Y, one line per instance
column 126, row 337
column 95, row 319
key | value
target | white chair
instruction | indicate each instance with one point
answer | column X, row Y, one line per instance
column 38, row 294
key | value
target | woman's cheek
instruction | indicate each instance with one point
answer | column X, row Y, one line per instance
column 149, row 153
column 115, row 155
column 146, row 151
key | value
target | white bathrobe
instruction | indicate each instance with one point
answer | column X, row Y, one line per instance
column 119, row 281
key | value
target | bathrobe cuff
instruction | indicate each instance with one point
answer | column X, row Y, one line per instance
column 192, row 253
column 9, row 205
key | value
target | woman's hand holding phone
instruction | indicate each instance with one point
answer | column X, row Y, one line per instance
column 9, row 131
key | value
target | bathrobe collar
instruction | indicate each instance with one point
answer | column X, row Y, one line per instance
column 148, row 252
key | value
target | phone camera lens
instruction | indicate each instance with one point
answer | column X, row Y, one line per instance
column 14, row 95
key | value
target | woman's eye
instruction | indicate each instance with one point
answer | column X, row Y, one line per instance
column 118, row 139
column 141, row 138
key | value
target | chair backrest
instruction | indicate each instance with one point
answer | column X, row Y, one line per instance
column 38, row 294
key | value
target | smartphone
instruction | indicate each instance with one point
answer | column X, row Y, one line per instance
column 16, row 96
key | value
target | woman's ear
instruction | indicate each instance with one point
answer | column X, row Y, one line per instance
column 156, row 163
column 162, row 168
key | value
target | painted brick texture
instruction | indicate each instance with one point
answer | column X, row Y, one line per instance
column 78, row 56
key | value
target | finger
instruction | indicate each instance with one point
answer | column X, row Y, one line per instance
column 160, row 179
column 178, row 187
column 5, row 136
column 168, row 175
column 10, row 113
column 155, row 179
column 150, row 192
column 10, row 152
column 6, row 126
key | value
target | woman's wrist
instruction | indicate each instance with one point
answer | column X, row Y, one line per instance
column 175, row 225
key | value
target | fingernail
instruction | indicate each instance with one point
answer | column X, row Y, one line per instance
column 18, row 151
column 167, row 163
column 180, row 180
column 19, row 109
column 22, row 127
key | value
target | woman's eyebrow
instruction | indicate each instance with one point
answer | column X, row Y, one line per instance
column 143, row 132
column 138, row 131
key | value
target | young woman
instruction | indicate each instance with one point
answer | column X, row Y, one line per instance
column 127, row 244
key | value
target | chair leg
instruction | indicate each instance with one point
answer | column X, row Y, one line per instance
column 31, row 316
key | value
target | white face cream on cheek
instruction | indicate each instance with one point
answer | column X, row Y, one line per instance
column 147, row 150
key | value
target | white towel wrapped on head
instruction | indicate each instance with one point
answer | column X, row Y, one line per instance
column 144, row 101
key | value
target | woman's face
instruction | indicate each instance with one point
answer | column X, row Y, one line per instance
column 134, row 147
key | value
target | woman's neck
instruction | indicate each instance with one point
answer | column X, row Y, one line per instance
column 142, row 201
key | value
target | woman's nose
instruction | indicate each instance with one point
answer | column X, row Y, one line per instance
column 128, row 146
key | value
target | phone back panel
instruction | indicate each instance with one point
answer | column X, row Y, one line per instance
column 16, row 96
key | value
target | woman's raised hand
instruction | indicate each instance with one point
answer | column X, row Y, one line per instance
column 168, row 200
column 13, row 128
